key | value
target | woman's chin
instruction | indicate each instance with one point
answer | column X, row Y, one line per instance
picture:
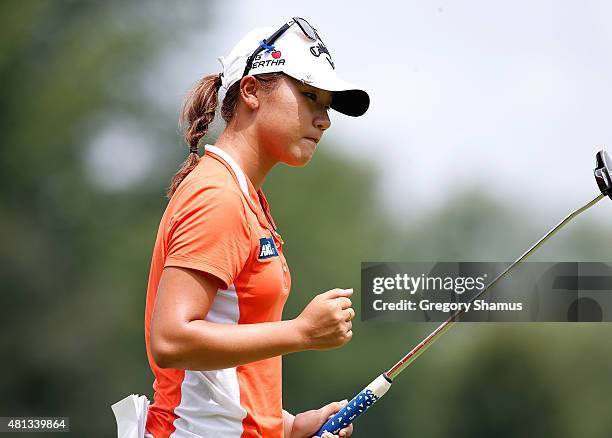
column 298, row 162
column 300, row 156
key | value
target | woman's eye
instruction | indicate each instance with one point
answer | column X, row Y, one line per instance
column 311, row 96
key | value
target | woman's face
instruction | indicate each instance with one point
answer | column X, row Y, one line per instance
column 291, row 120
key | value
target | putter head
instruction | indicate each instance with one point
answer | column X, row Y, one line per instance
column 603, row 172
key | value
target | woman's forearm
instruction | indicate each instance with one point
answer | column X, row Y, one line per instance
column 203, row 345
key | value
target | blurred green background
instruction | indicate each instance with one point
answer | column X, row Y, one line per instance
column 76, row 250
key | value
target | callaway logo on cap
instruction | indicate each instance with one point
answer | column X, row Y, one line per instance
column 296, row 50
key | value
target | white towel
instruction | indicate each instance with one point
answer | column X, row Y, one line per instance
column 131, row 415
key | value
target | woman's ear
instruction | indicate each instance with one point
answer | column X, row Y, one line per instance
column 248, row 92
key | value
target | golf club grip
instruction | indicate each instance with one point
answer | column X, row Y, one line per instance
column 357, row 406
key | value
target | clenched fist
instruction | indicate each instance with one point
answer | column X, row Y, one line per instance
column 326, row 321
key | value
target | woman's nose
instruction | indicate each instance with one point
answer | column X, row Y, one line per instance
column 322, row 121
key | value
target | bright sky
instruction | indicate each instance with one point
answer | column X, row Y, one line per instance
column 512, row 96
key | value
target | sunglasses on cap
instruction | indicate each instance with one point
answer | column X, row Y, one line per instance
column 267, row 44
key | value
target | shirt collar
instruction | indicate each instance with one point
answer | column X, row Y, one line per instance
column 249, row 192
column 243, row 181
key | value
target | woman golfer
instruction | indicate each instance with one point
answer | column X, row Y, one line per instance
column 218, row 279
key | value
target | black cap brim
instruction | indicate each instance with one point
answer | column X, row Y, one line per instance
column 353, row 103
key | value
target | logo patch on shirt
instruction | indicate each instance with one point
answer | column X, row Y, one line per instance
column 267, row 248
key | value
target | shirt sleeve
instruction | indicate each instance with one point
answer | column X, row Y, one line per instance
column 209, row 232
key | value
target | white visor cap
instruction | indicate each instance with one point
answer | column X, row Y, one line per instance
column 299, row 57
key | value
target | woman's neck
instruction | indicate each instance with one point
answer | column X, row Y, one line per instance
column 248, row 153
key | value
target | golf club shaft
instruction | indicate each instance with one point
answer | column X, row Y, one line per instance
column 379, row 386
column 443, row 328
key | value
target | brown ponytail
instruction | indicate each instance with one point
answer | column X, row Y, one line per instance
column 199, row 111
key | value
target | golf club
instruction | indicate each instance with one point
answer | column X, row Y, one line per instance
column 379, row 386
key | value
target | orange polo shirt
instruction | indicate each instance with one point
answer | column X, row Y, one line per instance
column 216, row 222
